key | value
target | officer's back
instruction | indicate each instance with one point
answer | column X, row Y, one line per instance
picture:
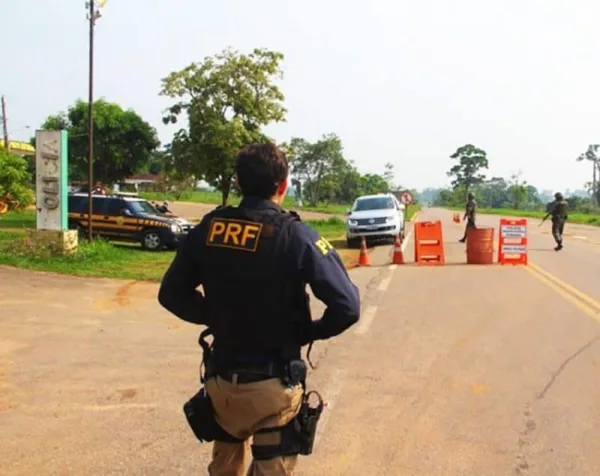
column 253, row 262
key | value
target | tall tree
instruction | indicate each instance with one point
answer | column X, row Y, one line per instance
column 372, row 184
column 228, row 98
column 123, row 141
column 517, row 190
column 591, row 155
column 467, row 172
column 317, row 166
column 388, row 175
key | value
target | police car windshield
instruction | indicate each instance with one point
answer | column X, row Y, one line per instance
column 143, row 207
column 379, row 203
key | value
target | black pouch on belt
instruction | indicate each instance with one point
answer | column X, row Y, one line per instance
column 306, row 423
column 200, row 416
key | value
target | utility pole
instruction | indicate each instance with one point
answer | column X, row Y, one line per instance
column 5, row 125
column 92, row 16
column 595, row 188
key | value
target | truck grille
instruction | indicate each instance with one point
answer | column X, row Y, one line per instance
column 365, row 221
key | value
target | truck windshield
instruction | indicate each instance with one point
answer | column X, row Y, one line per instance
column 378, row 203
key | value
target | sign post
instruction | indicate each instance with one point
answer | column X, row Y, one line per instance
column 51, row 170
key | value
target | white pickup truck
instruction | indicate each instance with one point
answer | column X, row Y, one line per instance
column 376, row 217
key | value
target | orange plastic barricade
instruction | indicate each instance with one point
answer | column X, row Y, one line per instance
column 429, row 244
column 512, row 241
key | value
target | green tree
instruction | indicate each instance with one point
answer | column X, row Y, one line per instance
column 467, row 172
column 123, row 141
column 388, row 175
column 317, row 166
column 371, row 184
column 228, row 98
column 591, row 155
column 15, row 181
column 517, row 190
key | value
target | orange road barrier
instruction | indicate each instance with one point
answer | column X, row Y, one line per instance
column 363, row 259
column 480, row 246
column 429, row 244
column 398, row 257
column 512, row 241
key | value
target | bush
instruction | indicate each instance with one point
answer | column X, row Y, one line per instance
column 15, row 181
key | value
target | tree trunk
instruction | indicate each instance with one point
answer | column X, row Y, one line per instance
column 225, row 189
column 595, row 185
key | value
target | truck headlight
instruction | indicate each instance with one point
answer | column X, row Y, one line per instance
column 352, row 222
column 175, row 228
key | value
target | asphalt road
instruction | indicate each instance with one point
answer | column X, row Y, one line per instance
column 453, row 370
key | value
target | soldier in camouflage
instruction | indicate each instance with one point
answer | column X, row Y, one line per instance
column 469, row 214
column 558, row 210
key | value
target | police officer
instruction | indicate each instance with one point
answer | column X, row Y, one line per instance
column 558, row 210
column 253, row 262
column 469, row 214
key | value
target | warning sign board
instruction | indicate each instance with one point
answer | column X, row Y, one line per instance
column 514, row 231
column 512, row 246
column 406, row 198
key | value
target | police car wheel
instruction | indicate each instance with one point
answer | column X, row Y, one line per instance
column 152, row 240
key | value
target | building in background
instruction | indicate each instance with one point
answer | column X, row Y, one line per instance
column 21, row 149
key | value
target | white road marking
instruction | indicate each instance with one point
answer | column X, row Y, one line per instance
column 385, row 283
column 580, row 237
column 330, row 395
column 366, row 319
column 333, row 390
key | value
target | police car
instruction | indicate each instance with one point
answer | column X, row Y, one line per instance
column 130, row 219
column 376, row 217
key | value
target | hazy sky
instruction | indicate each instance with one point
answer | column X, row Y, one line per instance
column 400, row 81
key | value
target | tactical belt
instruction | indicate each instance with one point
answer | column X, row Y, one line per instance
column 251, row 374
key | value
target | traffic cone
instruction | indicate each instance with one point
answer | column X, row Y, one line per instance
column 398, row 257
column 363, row 259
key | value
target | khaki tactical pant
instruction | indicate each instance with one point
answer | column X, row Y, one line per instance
column 243, row 409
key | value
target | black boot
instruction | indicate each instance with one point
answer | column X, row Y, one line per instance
column 558, row 247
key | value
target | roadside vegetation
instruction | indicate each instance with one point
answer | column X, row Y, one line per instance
column 122, row 260
column 579, row 218
column 101, row 258
column 321, row 174
column 215, row 198
column 513, row 196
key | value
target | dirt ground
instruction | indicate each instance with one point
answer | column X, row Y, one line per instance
column 195, row 211
column 434, row 379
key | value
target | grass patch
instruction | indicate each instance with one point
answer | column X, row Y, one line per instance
column 411, row 210
column 579, row 218
column 12, row 220
column 115, row 260
column 214, row 198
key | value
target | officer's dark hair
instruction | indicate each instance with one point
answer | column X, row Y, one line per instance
column 260, row 169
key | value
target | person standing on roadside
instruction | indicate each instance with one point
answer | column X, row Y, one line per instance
column 470, row 209
column 558, row 210
column 253, row 262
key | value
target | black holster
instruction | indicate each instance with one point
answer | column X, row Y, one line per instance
column 200, row 416
column 298, row 436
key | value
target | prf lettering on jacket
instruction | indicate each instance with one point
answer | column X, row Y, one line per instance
column 236, row 234
column 323, row 245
